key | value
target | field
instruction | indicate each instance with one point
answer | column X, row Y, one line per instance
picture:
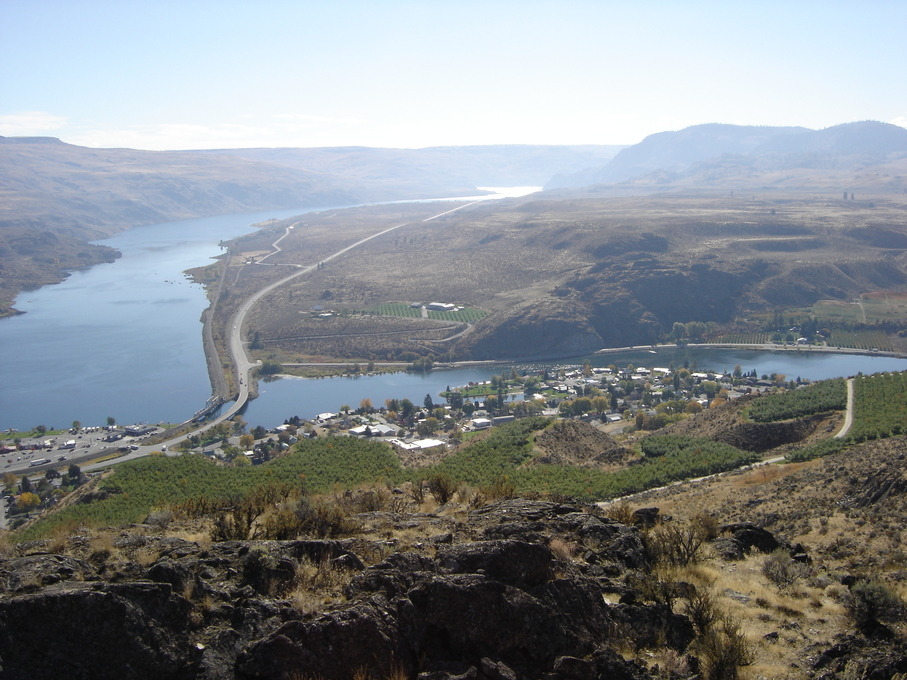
column 881, row 406
column 754, row 338
column 827, row 395
column 464, row 315
column 861, row 340
column 504, row 453
column 871, row 308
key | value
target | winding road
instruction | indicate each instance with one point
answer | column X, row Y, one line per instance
column 238, row 353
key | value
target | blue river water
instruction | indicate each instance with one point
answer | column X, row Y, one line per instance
column 124, row 340
column 306, row 397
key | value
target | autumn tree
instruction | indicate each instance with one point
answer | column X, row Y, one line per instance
column 27, row 500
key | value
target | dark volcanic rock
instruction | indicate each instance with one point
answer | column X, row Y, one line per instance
column 463, row 617
column 29, row 573
column 96, row 631
column 489, row 610
column 512, row 562
column 332, row 647
column 749, row 536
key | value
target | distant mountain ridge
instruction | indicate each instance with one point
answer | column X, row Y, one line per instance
column 56, row 197
column 739, row 149
column 435, row 169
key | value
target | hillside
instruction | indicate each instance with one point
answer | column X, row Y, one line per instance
column 60, row 196
column 789, row 571
column 715, row 155
column 562, row 276
column 434, row 171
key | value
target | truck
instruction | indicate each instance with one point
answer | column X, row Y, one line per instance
column 38, row 461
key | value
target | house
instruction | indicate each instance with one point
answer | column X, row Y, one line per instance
column 418, row 445
column 480, row 423
column 441, row 307
column 383, row 430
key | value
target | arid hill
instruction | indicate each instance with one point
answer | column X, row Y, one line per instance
column 561, row 277
column 63, row 196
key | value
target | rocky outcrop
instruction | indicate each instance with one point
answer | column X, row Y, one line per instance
column 500, row 605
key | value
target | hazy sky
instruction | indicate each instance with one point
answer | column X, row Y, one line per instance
column 181, row 74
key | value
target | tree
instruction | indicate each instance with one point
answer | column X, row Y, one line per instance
column 40, row 429
column 9, row 481
column 51, row 474
column 27, row 500
column 428, row 426
column 365, row 406
column 76, row 425
column 693, row 407
column 24, row 484
column 246, row 442
column 75, row 473
column 111, row 421
column 429, row 404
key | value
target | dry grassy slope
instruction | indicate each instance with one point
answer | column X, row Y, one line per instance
column 565, row 276
column 728, row 423
column 573, row 442
column 848, row 509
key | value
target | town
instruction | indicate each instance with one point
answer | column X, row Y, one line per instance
column 617, row 400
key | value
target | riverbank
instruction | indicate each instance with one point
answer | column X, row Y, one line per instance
column 401, row 366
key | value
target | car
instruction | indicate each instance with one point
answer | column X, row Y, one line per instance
column 62, row 458
column 133, row 447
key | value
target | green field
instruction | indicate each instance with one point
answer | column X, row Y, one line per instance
column 880, row 405
column 744, row 338
column 333, row 463
column 872, row 308
column 465, row 315
column 827, row 395
column 860, row 340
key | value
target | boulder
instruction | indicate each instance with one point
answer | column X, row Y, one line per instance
column 96, row 631
column 750, row 536
column 332, row 647
column 513, row 562
column 32, row 572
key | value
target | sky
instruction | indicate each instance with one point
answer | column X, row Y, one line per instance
column 194, row 74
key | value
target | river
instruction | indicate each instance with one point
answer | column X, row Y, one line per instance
column 124, row 340
column 306, row 397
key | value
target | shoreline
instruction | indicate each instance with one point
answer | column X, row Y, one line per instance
column 452, row 365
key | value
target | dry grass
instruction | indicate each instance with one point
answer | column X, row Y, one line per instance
column 317, row 586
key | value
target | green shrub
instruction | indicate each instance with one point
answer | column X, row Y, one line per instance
column 872, row 604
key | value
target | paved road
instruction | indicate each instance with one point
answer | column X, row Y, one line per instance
column 241, row 360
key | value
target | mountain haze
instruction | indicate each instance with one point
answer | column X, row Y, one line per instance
column 729, row 151
column 55, row 197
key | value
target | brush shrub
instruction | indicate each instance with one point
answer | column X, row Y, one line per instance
column 782, row 570
column 872, row 604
